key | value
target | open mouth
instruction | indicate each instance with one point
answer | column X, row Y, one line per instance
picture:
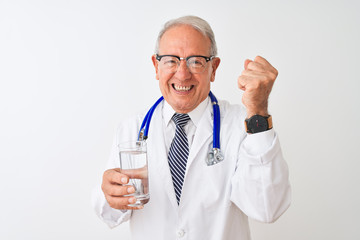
column 182, row 88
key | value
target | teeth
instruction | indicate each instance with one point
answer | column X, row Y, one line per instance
column 181, row 88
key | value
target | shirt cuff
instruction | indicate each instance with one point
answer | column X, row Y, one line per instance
column 112, row 217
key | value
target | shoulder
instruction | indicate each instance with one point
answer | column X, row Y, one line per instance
column 232, row 120
column 128, row 128
column 232, row 112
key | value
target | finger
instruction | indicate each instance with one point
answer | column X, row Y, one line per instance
column 254, row 81
column 255, row 66
column 133, row 208
column 114, row 176
column 116, row 190
column 243, row 81
column 122, row 202
column 262, row 76
column 261, row 60
column 266, row 77
column 139, row 173
column 266, row 64
column 246, row 63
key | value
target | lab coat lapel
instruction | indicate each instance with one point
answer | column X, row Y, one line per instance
column 202, row 137
column 159, row 156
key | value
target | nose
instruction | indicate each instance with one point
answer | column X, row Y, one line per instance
column 183, row 71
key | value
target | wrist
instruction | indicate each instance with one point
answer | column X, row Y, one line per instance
column 250, row 113
column 258, row 123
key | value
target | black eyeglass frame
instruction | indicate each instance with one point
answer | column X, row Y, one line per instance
column 158, row 57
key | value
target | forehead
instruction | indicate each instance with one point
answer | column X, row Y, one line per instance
column 184, row 40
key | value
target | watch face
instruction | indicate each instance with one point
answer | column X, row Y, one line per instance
column 257, row 123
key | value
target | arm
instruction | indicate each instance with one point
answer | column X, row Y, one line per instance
column 260, row 184
column 107, row 197
column 261, row 187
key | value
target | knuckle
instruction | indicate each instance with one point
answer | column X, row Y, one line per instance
column 105, row 186
column 110, row 201
column 276, row 72
column 117, row 203
column 108, row 174
column 273, row 75
column 113, row 204
column 267, row 79
column 112, row 176
column 256, row 84
column 111, row 191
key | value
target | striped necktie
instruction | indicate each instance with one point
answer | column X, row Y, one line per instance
column 178, row 154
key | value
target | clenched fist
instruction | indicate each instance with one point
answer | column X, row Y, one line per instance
column 256, row 81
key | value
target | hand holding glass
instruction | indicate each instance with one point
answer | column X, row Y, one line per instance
column 133, row 163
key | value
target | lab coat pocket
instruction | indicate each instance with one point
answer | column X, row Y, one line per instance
column 215, row 185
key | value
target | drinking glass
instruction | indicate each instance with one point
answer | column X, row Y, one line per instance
column 133, row 163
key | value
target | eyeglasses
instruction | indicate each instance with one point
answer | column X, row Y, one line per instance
column 171, row 63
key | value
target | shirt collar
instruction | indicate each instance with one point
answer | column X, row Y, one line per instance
column 195, row 115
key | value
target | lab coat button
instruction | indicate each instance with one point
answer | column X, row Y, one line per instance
column 181, row 233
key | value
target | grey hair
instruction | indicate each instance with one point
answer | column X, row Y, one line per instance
column 197, row 23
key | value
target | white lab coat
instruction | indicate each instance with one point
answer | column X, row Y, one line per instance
column 217, row 200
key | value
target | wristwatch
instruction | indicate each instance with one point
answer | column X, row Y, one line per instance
column 258, row 123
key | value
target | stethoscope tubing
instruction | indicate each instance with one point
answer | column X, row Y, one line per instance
column 147, row 119
column 216, row 112
column 143, row 133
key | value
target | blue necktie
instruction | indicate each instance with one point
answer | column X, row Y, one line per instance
column 179, row 152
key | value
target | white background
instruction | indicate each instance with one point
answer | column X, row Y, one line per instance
column 71, row 70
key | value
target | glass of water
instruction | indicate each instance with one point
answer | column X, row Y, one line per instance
column 133, row 163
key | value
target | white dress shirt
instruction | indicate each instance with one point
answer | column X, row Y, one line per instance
column 189, row 128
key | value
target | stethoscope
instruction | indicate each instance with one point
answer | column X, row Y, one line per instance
column 215, row 155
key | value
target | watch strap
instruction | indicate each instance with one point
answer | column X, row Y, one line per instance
column 268, row 119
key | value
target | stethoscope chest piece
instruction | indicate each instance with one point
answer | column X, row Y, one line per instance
column 215, row 156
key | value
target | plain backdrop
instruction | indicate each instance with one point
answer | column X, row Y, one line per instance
column 70, row 70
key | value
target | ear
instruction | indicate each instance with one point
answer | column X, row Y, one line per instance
column 156, row 65
column 215, row 64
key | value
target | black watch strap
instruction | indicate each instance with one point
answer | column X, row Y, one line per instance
column 258, row 123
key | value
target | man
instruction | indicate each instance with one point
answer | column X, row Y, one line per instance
column 214, row 202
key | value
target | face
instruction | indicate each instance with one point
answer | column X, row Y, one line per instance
column 183, row 90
